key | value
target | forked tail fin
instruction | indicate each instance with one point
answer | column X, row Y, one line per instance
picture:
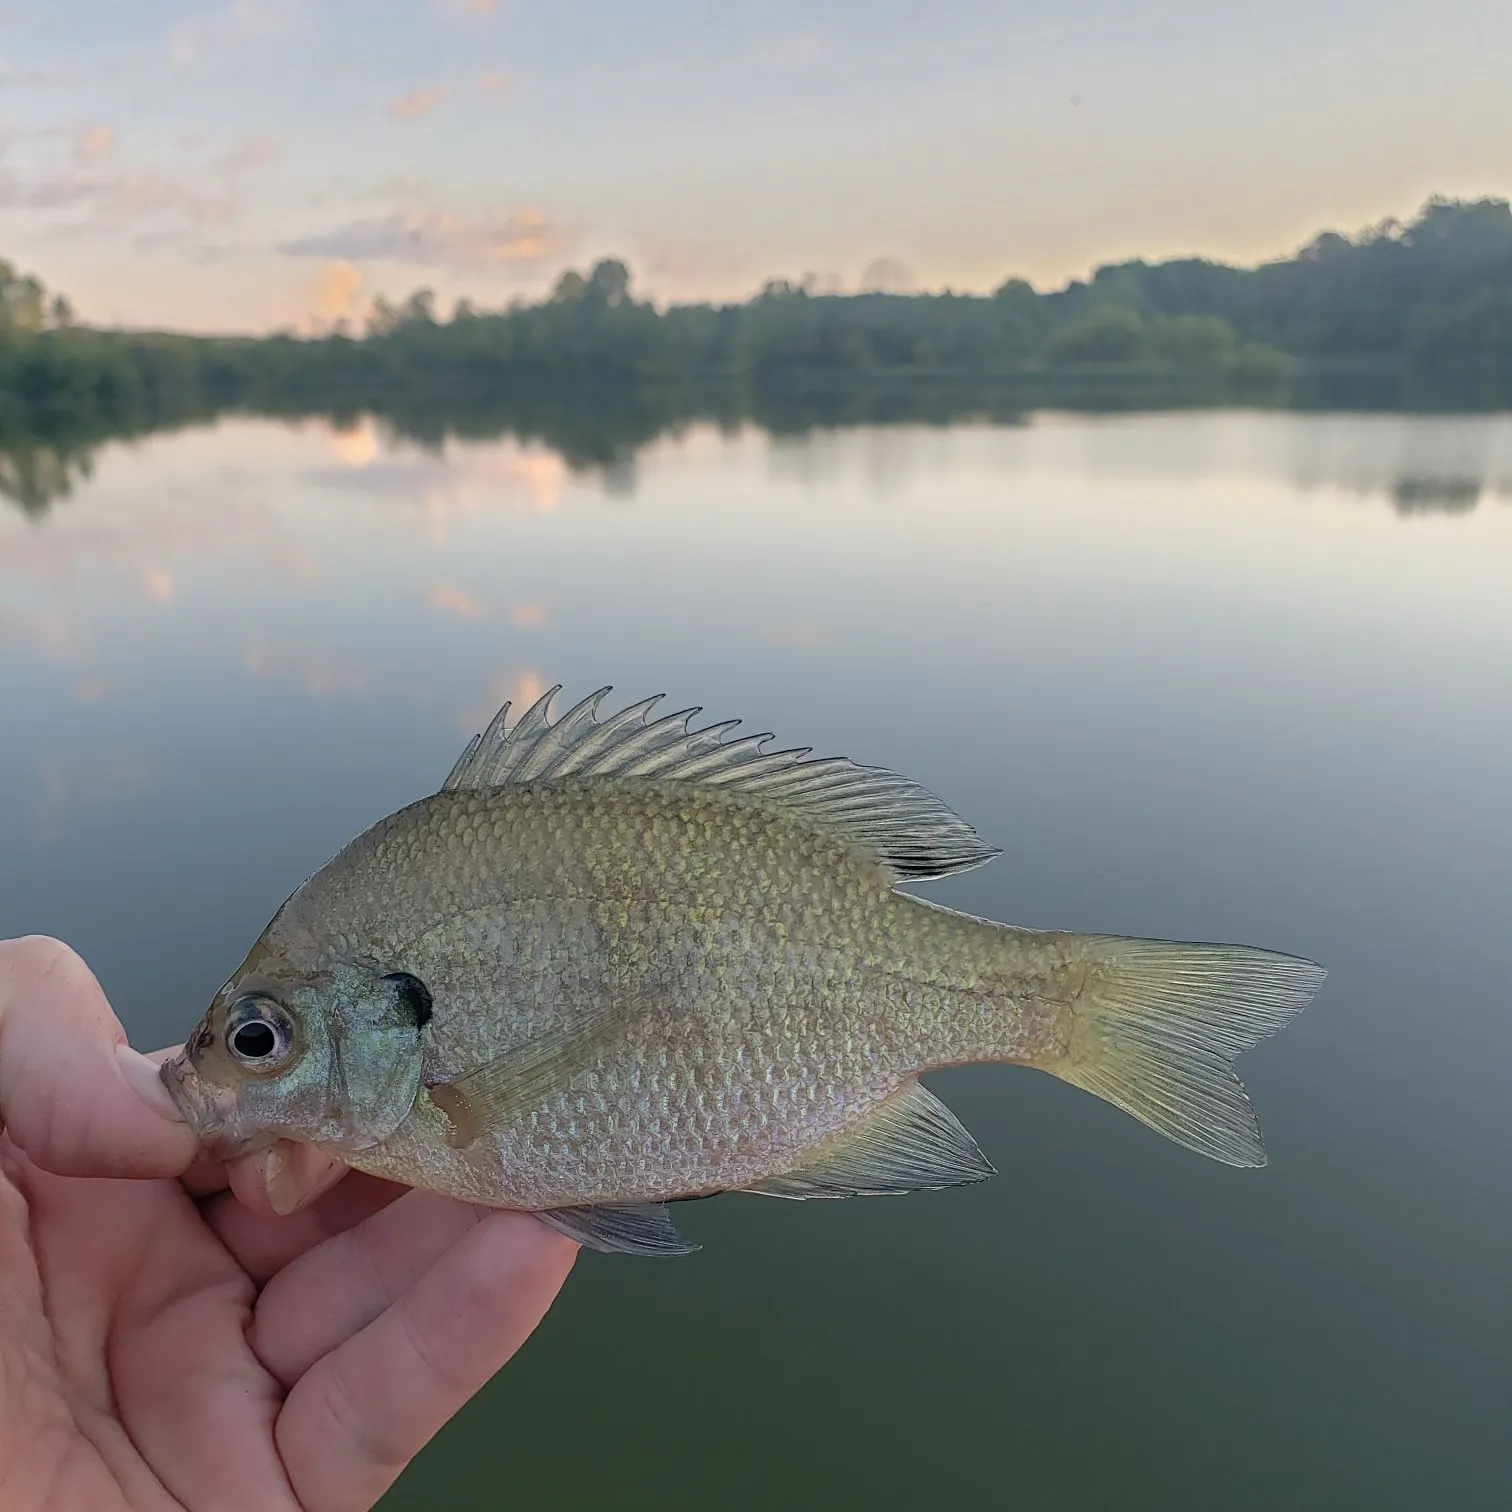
column 1157, row 1027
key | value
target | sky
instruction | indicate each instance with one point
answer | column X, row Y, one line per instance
column 262, row 164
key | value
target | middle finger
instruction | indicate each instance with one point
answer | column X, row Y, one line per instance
column 263, row 1246
column 340, row 1286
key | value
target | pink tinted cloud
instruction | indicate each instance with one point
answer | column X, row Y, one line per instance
column 215, row 31
column 111, row 200
column 436, row 238
column 418, row 102
column 255, row 152
column 95, row 141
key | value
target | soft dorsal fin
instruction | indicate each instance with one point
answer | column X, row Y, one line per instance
column 900, row 823
column 911, row 1143
column 642, row 1230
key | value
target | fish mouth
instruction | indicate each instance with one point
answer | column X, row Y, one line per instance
column 208, row 1110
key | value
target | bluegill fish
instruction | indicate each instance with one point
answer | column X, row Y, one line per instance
column 614, row 963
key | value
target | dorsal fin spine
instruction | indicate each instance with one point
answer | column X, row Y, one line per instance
column 895, row 821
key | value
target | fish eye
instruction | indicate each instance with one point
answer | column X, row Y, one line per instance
column 259, row 1033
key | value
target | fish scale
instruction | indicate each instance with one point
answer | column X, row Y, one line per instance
column 668, row 964
column 799, row 924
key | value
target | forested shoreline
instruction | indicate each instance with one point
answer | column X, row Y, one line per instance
column 1416, row 315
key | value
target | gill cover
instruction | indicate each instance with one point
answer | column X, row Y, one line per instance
column 334, row 1061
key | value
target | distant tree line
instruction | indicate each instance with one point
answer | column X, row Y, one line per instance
column 1422, row 308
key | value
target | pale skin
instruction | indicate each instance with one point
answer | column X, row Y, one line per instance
column 167, row 1341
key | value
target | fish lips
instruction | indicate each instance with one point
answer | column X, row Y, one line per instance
column 210, row 1111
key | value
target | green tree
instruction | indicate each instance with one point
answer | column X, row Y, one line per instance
column 419, row 308
column 1194, row 341
column 1106, row 334
column 609, row 282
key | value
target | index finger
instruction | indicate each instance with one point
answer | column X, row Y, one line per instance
column 73, row 1094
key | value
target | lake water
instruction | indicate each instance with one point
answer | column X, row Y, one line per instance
column 1218, row 676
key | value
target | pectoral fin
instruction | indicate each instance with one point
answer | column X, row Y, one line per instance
column 643, row 1230
column 911, row 1143
column 496, row 1092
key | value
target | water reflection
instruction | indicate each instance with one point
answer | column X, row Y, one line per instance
column 451, row 465
column 1217, row 675
column 34, row 474
column 71, row 785
column 1437, row 495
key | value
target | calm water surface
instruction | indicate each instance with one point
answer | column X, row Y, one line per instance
column 1222, row 676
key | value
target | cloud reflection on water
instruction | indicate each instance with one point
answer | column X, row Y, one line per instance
column 319, row 673
column 519, row 689
column 72, row 784
column 280, row 548
column 457, row 601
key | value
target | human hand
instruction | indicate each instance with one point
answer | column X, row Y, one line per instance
column 163, row 1345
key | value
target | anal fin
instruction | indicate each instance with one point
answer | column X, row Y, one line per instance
column 642, row 1230
column 911, row 1143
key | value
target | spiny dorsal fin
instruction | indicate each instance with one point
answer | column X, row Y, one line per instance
column 911, row 1143
column 903, row 825
column 643, row 1230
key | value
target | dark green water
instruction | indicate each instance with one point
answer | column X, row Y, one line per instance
column 1215, row 676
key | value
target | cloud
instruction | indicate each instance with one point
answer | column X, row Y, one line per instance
column 492, row 84
column 438, row 239
column 78, row 172
column 95, row 141
column 208, row 33
column 336, row 298
column 255, row 152
column 94, row 193
column 529, row 616
column 418, row 102
column 143, row 195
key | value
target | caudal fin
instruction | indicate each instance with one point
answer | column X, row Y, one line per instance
column 1158, row 1026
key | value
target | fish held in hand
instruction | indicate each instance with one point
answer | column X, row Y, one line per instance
column 618, row 962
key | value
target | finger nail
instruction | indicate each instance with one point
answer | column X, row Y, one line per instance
column 141, row 1075
column 282, row 1183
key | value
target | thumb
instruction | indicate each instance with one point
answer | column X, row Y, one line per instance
column 73, row 1094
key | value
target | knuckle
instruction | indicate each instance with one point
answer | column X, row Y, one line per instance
column 371, row 1437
